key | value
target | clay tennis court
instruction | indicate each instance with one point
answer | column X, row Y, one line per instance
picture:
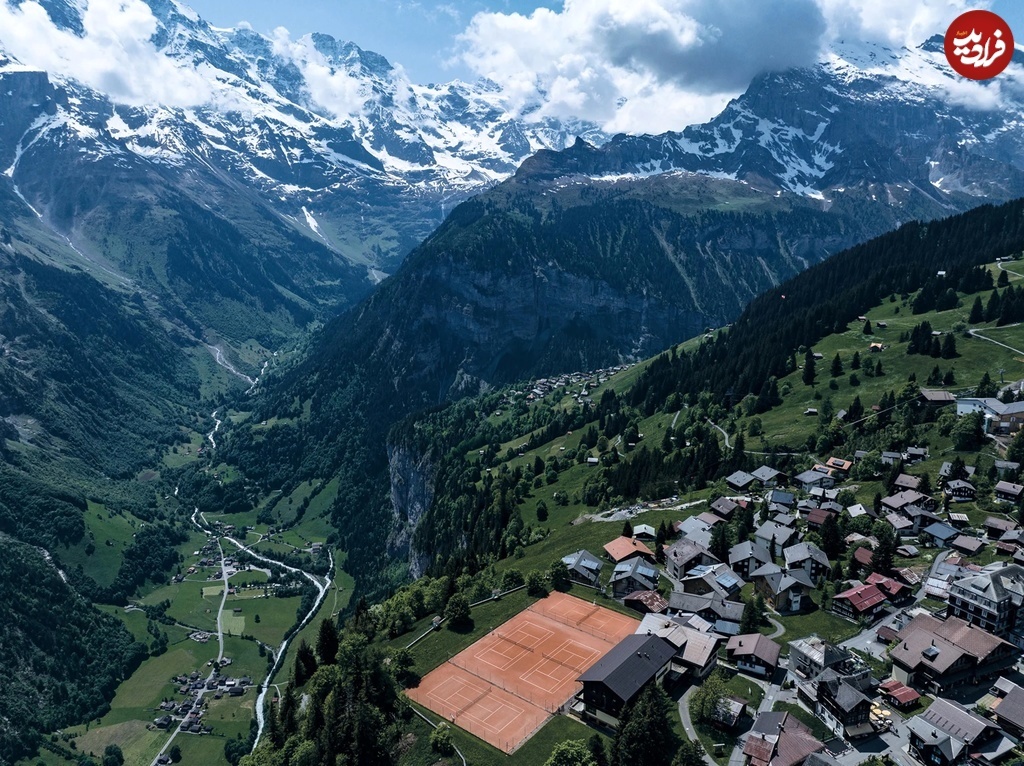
column 508, row 684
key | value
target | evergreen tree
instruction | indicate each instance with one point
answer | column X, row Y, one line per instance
column 837, row 366
column 867, row 327
column 885, row 552
column 925, row 487
column 327, row 643
column 878, row 369
column 855, row 361
column 690, row 753
column 542, row 511
column 761, row 608
column 986, row 388
column 837, row 571
column 1004, row 279
column 305, row 664
column 993, row 308
column 831, row 539
column 750, row 621
column 949, row 347
column 949, row 379
column 627, row 529
column 645, row 734
column 112, row 756
column 720, row 542
column 597, row 750
column 977, row 311
column 809, row 374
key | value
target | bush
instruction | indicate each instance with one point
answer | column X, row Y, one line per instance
column 441, row 740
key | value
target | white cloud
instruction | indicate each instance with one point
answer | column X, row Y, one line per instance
column 655, row 65
column 334, row 89
column 114, row 55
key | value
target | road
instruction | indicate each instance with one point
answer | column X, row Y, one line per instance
column 976, row 334
column 728, row 443
column 684, row 717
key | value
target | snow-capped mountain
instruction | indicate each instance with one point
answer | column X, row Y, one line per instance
column 265, row 192
column 900, row 121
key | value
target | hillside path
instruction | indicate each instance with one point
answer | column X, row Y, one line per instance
column 976, row 334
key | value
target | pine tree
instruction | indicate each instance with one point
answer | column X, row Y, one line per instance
column 749, row 620
column 627, row 529
column 837, row 571
column 597, row 750
column 855, row 361
column 993, row 307
column 720, row 542
column 977, row 311
column 690, row 753
column 949, row 347
column 867, row 327
column 949, row 379
column 1004, row 279
column 327, row 643
column 809, row 374
column 542, row 511
column 772, row 552
column 885, row 552
column 878, row 369
column 837, row 366
column 831, row 540
column 645, row 733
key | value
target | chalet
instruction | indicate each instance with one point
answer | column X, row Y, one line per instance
column 895, row 592
column 946, row 472
column 960, row 491
column 709, row 518
column 625, row 548
column 958, row 520
column 859, row 602
column 632, row 575
column 817, row 517
column 896, row 693
column 696, row 652
column 839, row 466
column 646, row 602
column 859, row 510
column 812, row 478
column 935, row 398
column 904, row 527
column 998, row 417
column 754, row 653
column 1007, row 492
column 995, row 527
column 821, row 494
column 716, row 579
column 933, row 655
column 786, row 592
column 906, row 481
column 780, row 739
column 618, row 677
column 770, row 530
column 584, row 568
column 724, row 507
column 842, row 704
column 644, row 532
column 918, row 516
column 1009, row 710
column 740, row 480
column 784, row 519
column 696, row 530
column 769, row 477
column 747, row 556
column 947, row 733
column 892, row 458
column 916, row 454
column 683, row 555
column 724, row 615
column 901, row 500
column 939, row 534
column 863, row 556
column 809, row 558
column 809, row 657
column 778, row 497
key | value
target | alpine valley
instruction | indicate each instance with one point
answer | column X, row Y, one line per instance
column 266, row 345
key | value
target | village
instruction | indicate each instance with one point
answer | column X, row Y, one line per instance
column 917, row 606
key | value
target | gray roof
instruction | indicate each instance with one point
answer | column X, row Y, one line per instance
column 639, row 569
column 947, row 469
column 955, row 720
column 584, row 562
column 739, row 479
column 1011, row 707
column 770, row 530
column 780, row 582
column 781, row 497
column 631, row 664
column 846, row 696
column 749, row 550
column 716, row 605
column 794, row 554
column 941, row 530
column 766, row 473
column 810, row 476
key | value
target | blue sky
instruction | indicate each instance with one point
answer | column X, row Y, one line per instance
column 419, row 34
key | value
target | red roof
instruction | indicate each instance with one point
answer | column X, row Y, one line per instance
column 887, row 584
column 863, row 556
column 818, row 516
column 652, row 600
column 862, row 597
column 623, row 548
column 898, row 691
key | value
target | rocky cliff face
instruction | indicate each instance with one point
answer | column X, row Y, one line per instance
column 411, row 475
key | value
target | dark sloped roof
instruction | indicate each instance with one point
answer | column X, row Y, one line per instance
column 1011, row 707
column 630, row 664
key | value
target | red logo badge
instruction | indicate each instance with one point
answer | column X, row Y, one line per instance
column 979, row 45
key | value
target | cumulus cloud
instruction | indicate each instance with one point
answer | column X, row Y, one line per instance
column 653, row 65
column 114, row 55
column 333, row 89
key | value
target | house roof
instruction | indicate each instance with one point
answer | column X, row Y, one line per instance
column 709, row 518
column 810, row 476
column 780, row 740
column 583, row 561
column 795, row 554
column 772, row 530
column 898, row 522
column 749, row 550
column 941, row 531
column 1009, row 488
column 886, row 584
column 755, row 645
column 904, row 498
column 723, row 506
column 947, row 468
column 781, row 497
column 622, row 548
column 956, row 720
column 960, row 484
column 819, row 651
column 966, row 543
column 739, row 479
column 862, row 597
column 652, row 600
column 907, row 481
column 766, row 473
column 857, row 510
column 864, row 556
column 938, row 644
column 713, row 604
column 846, row 696
column 630, row 664
column 1011, row 707
column 638, row 569
column 819, row 516
column 937, row 397
column 781, row 582
column 1002, row 525
column 683, row 552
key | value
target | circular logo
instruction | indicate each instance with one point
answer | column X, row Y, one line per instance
column 979, row 45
